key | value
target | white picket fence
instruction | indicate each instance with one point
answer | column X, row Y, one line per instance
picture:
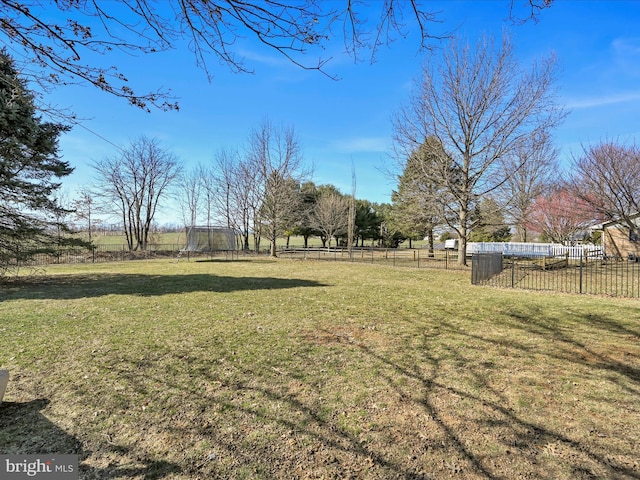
column 521, row 249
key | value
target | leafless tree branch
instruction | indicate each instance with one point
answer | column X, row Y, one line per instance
column 55, row 53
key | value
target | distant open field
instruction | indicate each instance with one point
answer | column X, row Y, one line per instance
column 275, row 368
column 178, row 238
column 161, row 238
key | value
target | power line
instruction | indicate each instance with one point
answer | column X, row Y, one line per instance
column 99, row 136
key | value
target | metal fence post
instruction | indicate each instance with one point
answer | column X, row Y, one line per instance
column 513, row 272
column 580, row 271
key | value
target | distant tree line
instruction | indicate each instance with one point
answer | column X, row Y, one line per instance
column 263, row 191
column 474, row 144
column 477, row 159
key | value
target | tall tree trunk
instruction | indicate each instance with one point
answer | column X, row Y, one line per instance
column 273, row 250
column 430, row 241
column 462, row 237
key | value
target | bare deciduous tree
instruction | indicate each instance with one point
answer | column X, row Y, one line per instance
column 331, row 215
column 481, row 106
column 132, row 184
column 275, row 157
column 189, row 192
column 55, row 53
column 607, row 177
column 208, row 192
column 532, row 169
column 235, row 193
column 84, row 207
column 223, row 177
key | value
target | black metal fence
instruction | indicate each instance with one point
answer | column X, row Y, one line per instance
column 614, row 277
column 116, row 253
column 397, row 257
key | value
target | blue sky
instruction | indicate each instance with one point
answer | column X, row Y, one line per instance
column 347, row 122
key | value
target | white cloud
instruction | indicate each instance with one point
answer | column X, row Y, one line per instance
column 603, row 100
column 248, row 56
column 362, row 144
column 626, row 46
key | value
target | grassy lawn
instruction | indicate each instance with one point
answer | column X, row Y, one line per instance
column 292, row 369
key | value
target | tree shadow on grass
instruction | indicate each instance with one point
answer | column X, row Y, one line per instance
column 24, row 430
column 491, row 417
column 572, row 346
column 310, row 442
column 574, row 353
column 97, row 285
column 239, row 260
column 446, row 414
column 220, row 260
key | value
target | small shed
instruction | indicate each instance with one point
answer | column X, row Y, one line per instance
column 619, row 240
column 451, row 244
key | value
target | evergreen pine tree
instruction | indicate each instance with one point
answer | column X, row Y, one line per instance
column 30, row 168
